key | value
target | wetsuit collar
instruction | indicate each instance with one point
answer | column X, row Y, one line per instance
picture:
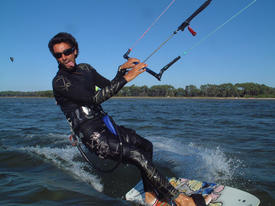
column 63, row 68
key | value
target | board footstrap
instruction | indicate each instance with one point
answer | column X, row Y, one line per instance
column 198, row 199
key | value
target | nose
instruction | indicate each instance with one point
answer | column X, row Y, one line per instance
column 63, row 57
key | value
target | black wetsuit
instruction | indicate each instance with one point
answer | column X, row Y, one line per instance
column 74, row 91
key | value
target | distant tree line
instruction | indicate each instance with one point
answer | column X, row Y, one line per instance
column 47, row 93
column 208, row 90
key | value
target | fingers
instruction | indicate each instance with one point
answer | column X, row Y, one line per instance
column 140, row 67
column 137, row 70
column 130, row 63
column 133, row 60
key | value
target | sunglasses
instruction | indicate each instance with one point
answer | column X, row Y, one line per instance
column 66, row 52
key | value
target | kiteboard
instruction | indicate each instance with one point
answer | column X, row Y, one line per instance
column 221, row 195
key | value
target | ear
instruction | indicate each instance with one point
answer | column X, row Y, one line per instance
column 75, row 52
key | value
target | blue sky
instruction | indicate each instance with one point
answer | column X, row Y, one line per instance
column 242, row 51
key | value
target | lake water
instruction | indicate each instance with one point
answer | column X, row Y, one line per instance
column 230, row 142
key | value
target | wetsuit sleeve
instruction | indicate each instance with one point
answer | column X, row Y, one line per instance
column 109, row 89
column 102, row 82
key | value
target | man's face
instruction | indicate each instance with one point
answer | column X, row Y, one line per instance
column 65, row 56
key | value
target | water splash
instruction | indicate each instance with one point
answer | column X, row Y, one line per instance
column 64, row 158
column 195, row 161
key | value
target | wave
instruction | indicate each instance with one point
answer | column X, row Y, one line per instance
column 66, row 159
column 189, row 160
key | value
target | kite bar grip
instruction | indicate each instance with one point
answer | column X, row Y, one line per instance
column 149, row 71
column 126, row 55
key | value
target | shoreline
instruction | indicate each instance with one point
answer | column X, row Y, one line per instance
column 214, row 98
column 146, row 97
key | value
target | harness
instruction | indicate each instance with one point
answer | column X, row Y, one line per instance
column 74, row 138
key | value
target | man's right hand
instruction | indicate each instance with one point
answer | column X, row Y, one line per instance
column 131, row 62
column 136, row 70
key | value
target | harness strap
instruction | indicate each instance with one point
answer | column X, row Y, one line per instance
column 109, row 124
column 113, row 129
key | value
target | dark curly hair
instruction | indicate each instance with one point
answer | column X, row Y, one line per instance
column 63, row 37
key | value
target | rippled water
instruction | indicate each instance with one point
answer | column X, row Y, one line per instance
column 230, row 142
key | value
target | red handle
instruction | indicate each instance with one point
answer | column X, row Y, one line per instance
column 192, row 31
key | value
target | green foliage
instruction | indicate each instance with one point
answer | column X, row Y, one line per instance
column 47, row 93
column 209, row 90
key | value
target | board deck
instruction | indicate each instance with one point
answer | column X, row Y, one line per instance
column 222, row 195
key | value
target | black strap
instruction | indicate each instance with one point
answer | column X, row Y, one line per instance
column 93, row 165
column 78, row 144
column 198, row 199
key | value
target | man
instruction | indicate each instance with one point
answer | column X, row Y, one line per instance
column 74, row 90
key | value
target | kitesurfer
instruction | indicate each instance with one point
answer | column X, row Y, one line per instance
column 74, row 91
